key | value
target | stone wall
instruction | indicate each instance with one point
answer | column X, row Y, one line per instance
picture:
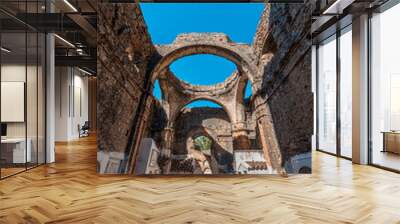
column 252, row 130
column 283, row 48
column 124, row 53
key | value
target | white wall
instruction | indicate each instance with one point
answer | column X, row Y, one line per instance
column 62, row 82
column 80, row 110
column 71, row 102
column 16, row 73
column 13, row 73
column 33, row 126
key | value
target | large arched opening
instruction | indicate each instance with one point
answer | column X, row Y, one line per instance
column 205, row 124
column 243, row 63
column 202, row 69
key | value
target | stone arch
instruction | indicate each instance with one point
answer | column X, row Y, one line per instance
column 228, row 94
column 211, row 99
column 243, row 64
column 217, row 154
column 203, row 64
column 211, row 122
column 243, row 73
column 190, row 141
column 202, row 131
column 217, row 44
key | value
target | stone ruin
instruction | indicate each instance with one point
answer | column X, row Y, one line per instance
column 276, row 120
column 237, row 127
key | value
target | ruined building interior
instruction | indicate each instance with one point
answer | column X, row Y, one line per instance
column 266, row 133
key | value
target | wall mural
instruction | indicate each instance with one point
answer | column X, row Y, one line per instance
column 267, row 133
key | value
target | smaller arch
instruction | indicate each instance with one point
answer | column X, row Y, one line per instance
column 180, row 109
column 202, row 103
column 210, row 122
column 215, row 151
column 202, row 131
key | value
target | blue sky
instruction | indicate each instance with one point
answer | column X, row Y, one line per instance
column 166, row 20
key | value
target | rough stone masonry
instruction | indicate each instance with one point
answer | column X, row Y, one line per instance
column 278, row 116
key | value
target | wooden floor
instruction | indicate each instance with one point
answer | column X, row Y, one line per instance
column 5, row 172
column 387, row 159
column 70, row 191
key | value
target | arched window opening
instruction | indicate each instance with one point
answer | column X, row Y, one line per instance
column 157, row 93
column 203, row 103
column 247, row 90
column 203, row 69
